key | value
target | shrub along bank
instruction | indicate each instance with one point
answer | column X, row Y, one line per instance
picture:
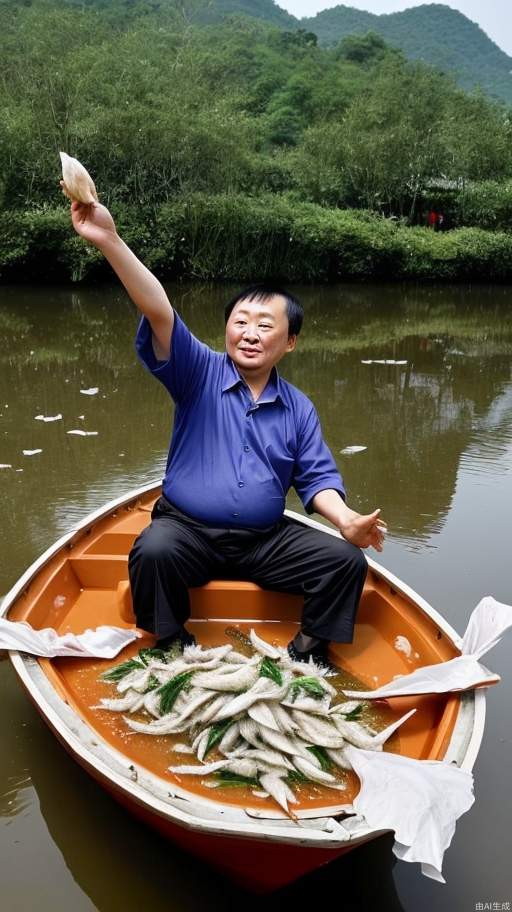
column 241, row 238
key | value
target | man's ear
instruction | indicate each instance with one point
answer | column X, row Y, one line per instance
column 292, row 341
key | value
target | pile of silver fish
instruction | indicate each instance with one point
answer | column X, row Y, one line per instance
column 270, row 719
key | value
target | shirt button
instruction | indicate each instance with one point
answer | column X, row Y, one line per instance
column 236, row 514
column 240, row 484
column 246, row 448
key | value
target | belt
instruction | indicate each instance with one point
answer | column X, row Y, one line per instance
column 163, row 505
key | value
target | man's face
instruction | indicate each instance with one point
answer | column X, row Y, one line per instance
column 257, row 334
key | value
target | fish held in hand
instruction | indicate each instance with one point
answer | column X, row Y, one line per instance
column 77, row 183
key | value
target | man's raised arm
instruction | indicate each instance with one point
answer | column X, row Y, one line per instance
column 95, row 224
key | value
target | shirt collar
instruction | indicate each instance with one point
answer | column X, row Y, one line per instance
column 272, row 392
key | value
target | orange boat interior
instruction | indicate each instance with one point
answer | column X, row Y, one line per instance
column 86, row 585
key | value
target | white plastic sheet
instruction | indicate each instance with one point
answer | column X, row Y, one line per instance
column 420, row 800
column 102, row 643
column 487, row 624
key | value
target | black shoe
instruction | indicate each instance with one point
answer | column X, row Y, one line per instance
column 318, row 653
column 182, row 638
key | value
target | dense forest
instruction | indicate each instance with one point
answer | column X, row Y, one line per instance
column 232, row 149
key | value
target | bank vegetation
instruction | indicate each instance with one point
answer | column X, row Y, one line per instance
column 238, row 150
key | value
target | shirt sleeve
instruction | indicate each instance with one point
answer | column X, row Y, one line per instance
column 315, row 468
column 188, row 360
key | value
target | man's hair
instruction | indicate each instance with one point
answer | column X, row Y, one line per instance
column 263, row 292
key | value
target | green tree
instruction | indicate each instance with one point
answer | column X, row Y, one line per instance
column 477, row 135
column 363, row 49
column 392, row 143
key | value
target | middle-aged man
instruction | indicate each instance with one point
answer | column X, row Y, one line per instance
column 242, row 437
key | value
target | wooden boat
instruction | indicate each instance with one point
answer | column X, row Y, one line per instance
column 82, row 582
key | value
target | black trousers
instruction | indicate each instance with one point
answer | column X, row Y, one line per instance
column 176, row 552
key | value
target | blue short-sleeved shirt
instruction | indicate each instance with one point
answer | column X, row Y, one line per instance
column 232, row 460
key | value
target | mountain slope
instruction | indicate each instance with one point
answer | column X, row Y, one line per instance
column 434, row 33
column 216, row 10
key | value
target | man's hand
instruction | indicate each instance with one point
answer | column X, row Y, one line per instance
column 364, row 531
column 94, row 223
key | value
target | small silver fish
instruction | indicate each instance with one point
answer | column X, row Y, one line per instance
column 316, row 730
column 163, row 726
column 283, row 719
column 249, row 731
column 198, row 655
column 276, row 740
column 263, row 647
column 239, row 679
column 229, row 739
column 313, row 772
column 196, row 698
column 212, row 709
column 262, row 689
column 269, row 757
column 309, row 704
column 130, row 703
column 152, row 703
column 273, row 784
column 204, row 770
column 182, row 749
column 262, row 713
column 356, row 734
column 339, row 758
column 202, row 744
column 237, row 658
column 243, row 767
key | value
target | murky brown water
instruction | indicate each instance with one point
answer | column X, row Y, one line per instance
column 438, row 432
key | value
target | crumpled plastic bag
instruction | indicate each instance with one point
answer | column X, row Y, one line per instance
column 103, row 643
column 487, row 624
column 420, row 800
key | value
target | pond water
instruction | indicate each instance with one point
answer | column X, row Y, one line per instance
column 438, row 460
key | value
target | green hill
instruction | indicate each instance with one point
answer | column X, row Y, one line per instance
column 434, row 33
column 216, row 10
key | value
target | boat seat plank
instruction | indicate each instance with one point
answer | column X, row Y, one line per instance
column 240, row 600
column 243, row 600
column 100, row 571
column 117, row 542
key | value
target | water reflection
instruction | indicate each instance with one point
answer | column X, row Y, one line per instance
column 443, row 416
column 416, row 419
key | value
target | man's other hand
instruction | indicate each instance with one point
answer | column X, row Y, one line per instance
column 364, row 531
